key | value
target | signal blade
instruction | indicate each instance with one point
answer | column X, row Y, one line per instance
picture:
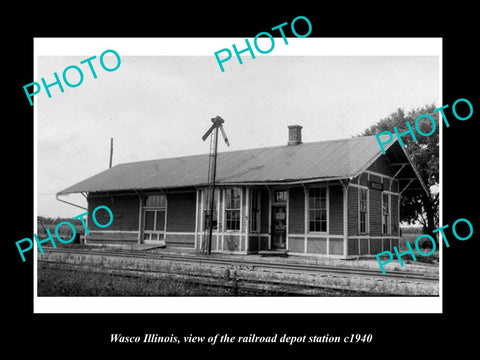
column 204, row 137
column 224, row 135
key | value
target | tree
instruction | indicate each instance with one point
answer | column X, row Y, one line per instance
column 424, row 154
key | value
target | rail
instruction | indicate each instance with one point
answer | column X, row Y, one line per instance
column 200, row 259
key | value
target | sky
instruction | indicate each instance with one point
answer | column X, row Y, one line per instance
column 159, row 106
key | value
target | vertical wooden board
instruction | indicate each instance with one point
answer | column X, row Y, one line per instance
column 353, row 247
column 363, row 246
column 375, row 246
column 296, row 244
column 316, row 246
column 231, row 242
column 336, row 246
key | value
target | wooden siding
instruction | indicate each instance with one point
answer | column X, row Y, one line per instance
column 199, row 214
column 124, row 209
column 264, row 243
column 316, row 245
column 353, row 247
column 375, row 178
column 386, row 245
column 181, row 212
column 352, row 211
column 381, row 166
column 376, row 246
column 395, row 186
column 180, row 240
column 296, row 244
column 336, row 210
column 105, row 237
column 395, row 215
column 363, row 179
column 386, row 184
column 394, row 243
column 243, row 211
column 220, row 206
column 253, row 242
column 264, row 212
column 296, row 210
column 231, row 242
column 375, row 212
column 336, row 246
column 363, row 246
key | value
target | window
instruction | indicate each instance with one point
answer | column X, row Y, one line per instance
column 317, row 201
column 385, row 213
column 207, row 209
column 255, row 216
column 232, row 209
column 156, row 201
column 280, row 196
column 363, row 210
column 155, row 211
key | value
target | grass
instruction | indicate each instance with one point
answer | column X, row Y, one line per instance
column 57, row 282
column 411, row 234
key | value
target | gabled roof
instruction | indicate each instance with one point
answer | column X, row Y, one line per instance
column 315, row 161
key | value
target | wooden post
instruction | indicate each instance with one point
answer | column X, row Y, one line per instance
column 140, row 219
column 345, row 218
column 212, row 195
column 111, row 151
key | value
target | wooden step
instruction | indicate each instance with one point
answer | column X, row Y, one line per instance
column 273, row 253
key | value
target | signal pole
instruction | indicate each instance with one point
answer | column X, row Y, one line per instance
column 212, row 171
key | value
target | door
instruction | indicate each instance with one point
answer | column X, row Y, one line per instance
column 279, row 227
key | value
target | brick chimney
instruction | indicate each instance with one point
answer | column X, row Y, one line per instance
column 294, row 134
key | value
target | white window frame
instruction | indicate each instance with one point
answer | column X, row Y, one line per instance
column 327, row 206
column 389, row 218
column 226, row 210
column 367, row 214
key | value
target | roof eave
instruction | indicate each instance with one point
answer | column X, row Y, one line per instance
column 377, row 156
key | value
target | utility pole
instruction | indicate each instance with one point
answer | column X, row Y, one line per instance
column 111, row 151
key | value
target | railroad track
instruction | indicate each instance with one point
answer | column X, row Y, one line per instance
column 250, row 264
column 239, row 286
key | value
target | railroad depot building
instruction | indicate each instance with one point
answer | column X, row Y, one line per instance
column 338, row 198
